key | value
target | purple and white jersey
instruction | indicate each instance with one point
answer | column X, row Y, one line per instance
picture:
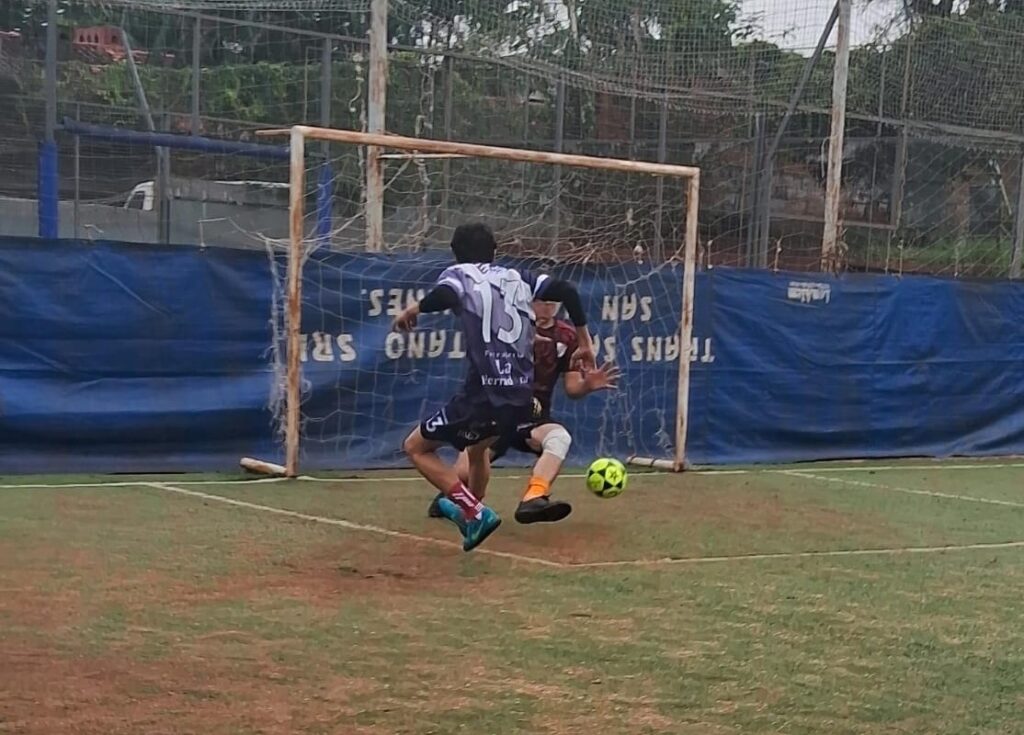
column 496, row 311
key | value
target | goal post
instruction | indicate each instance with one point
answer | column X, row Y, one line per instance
column 565, row 222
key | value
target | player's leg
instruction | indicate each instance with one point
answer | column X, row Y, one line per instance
column 456, row 425
column 477, row 480
column 551, row 441
column 422, row 452
column 478, row 471
column 462, row 470
column 466, row 466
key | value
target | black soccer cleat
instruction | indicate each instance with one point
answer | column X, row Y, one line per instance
column 434, row 511
column 542, row 510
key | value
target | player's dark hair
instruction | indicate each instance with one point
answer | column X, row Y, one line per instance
column 473, row 243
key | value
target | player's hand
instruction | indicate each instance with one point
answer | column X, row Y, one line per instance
column 406, row 321
column 585, row 356
column 605, row 377
column 583, row 359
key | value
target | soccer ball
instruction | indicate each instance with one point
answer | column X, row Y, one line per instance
column 606, row 477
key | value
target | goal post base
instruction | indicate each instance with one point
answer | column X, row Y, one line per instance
column 259, row 467
column 656, row 464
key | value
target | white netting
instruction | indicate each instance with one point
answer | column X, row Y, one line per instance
column 619, row 236
column 264, row 6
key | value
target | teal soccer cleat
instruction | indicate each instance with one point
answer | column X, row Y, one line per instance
column 447, row 509
column 478, row 529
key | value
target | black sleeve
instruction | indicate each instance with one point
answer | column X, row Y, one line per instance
column 440, row 298
column 566, row 294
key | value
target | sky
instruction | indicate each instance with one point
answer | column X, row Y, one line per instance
column 796, row 24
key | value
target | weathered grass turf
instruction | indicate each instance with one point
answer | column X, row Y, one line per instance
column 134, row 609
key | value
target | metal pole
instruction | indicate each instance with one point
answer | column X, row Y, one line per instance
column 446, row 166
column 197, row 34
column 48, row 214
column 163, row 158
column 833, row 182
column 325, row 84
column 325, row 180
column 805, row 76
column 140, row 92
column 765, row 213
column 659, row 184
column 559, row 147
column 51, row 70
column 78, row 168
column 900, row 164
column 376, row 123
column 632, row 127
column 766, row 163
column 1018, row 225
column 754, row 220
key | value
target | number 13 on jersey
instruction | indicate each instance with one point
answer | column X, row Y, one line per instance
column 510, row 294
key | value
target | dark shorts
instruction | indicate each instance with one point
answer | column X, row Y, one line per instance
column 463, row 423
column 518, row 438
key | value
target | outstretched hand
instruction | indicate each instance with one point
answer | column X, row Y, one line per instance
column 605, row 377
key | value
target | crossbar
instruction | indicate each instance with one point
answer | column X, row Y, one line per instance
column 425, row 156
column 519, row 155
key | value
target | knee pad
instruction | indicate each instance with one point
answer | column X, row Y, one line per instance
column 557, row 443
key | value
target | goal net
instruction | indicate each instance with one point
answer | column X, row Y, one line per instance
column 371, row 219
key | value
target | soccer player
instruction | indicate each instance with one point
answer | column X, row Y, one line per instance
column 553, row 350
column 494, row 305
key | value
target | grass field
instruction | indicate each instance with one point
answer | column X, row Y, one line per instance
column 820, row 599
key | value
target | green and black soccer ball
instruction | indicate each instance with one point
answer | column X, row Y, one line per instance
column 606, row 477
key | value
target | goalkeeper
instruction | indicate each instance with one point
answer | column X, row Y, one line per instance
column 554, row 346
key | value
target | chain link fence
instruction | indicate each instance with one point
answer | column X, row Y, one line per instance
column 932, row 156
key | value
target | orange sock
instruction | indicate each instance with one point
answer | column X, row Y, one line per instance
column 537, row 488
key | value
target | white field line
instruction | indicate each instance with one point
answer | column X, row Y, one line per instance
column 254, row 481
column 906, row 490
column 132, row 483
column 417, row 478
column 365, row 528
column 867, row 467
column 793, row 555
column 411, row 478
column 499, row 478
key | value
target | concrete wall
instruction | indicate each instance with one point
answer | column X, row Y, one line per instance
column 212, row 224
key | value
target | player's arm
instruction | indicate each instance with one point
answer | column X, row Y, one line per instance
column 565, row 293
column 441, row 297
column 578, row 384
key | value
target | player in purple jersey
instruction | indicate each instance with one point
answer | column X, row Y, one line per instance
column 494, row 305
column 554, row 348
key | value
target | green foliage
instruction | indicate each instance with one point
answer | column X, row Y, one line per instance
column 965, row 62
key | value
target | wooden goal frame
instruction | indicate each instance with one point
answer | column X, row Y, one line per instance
column 376, row 143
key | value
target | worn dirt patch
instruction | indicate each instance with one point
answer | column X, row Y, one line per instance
column 330, row 573
column 38, row 585
column 48, row 693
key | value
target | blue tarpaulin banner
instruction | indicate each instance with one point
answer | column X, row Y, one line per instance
column 131, row 358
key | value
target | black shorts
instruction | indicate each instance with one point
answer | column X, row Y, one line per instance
column 518, row 438
column 463, row 422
